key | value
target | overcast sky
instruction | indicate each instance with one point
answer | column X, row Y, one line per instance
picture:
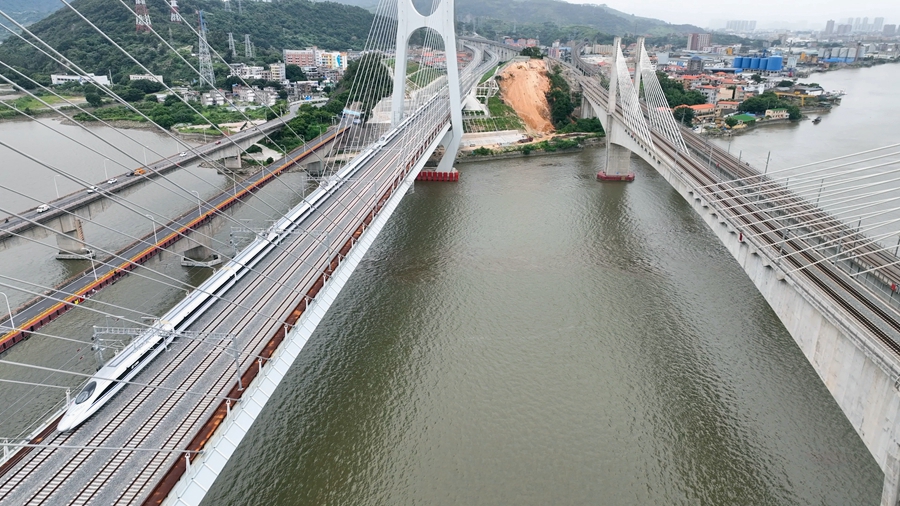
column 714, row 13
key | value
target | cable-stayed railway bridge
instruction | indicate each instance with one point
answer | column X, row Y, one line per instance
column 224, row 349
column 831, row 283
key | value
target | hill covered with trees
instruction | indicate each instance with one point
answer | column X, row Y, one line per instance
column 272, row 26
column 562, row 14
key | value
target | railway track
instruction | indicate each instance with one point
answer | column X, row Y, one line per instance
column 801, row 255
column 275, row 296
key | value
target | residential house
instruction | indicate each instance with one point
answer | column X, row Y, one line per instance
column 704, row 113
column 777, row 113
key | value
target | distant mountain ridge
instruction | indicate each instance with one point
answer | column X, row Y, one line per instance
column 26, row 12
column 599, row 17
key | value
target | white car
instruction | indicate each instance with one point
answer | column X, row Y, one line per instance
column 92, row 189
column 112, row 181
column 183, row 153
column 43, row 207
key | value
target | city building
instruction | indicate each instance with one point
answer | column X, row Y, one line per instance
column 889, row 30
column 249, row 71
column 278, row 72
column 710, row 92
column 332, row 60
column 146, row 77
column 829, row 27
column 698, row 41
column 89, row 78
column 878, row 25
column 301, row 57
column 726, row 107
column 215, row 97
column 740, row 26
column 695, row 66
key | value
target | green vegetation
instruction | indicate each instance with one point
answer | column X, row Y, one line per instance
column 532, row 52
column 171, row 113
column 28, row 104
column 504, row 116
column 551, row 20
column 676, row 94
column 27, row 12
column 548, row 146
column 490, row 73
column 294, row 73
column 731, row 121
column 769, row 100
column 272, row 26
column 308, row 124
column 586, row 125
column 683, row 115
column 423, row 76
column 785, row 84
column 378, row 84
column 559, row 98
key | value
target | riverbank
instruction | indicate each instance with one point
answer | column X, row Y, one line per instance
column 554, row 146
column 861, row 64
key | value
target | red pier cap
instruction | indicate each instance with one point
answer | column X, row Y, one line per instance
column 433, row 175
column 627, row 178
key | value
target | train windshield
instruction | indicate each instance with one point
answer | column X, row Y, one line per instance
column 86, row 392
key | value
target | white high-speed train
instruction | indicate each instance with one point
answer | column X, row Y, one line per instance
column 144, row 348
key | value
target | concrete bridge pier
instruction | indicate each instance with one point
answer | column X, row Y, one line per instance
column 618, row 163
column 314, row 168
column 450, row 142
column 196, row 250
column 233, row 163
column 70, row 239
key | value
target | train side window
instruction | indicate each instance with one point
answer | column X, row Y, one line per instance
column 86, row 392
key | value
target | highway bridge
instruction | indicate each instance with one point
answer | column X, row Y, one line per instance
column 60, row 213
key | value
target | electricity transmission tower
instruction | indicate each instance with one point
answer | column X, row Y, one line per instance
column 173, row 9
column 206, row 68
column 231, row 45
column 142, row 16
column 248, row 46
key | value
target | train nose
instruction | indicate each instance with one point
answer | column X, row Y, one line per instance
column 68, row 422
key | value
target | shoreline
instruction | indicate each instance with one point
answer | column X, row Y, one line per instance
column 516, row 154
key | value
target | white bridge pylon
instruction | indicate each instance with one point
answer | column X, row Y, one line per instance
column 632, row 133
column 441, row 20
